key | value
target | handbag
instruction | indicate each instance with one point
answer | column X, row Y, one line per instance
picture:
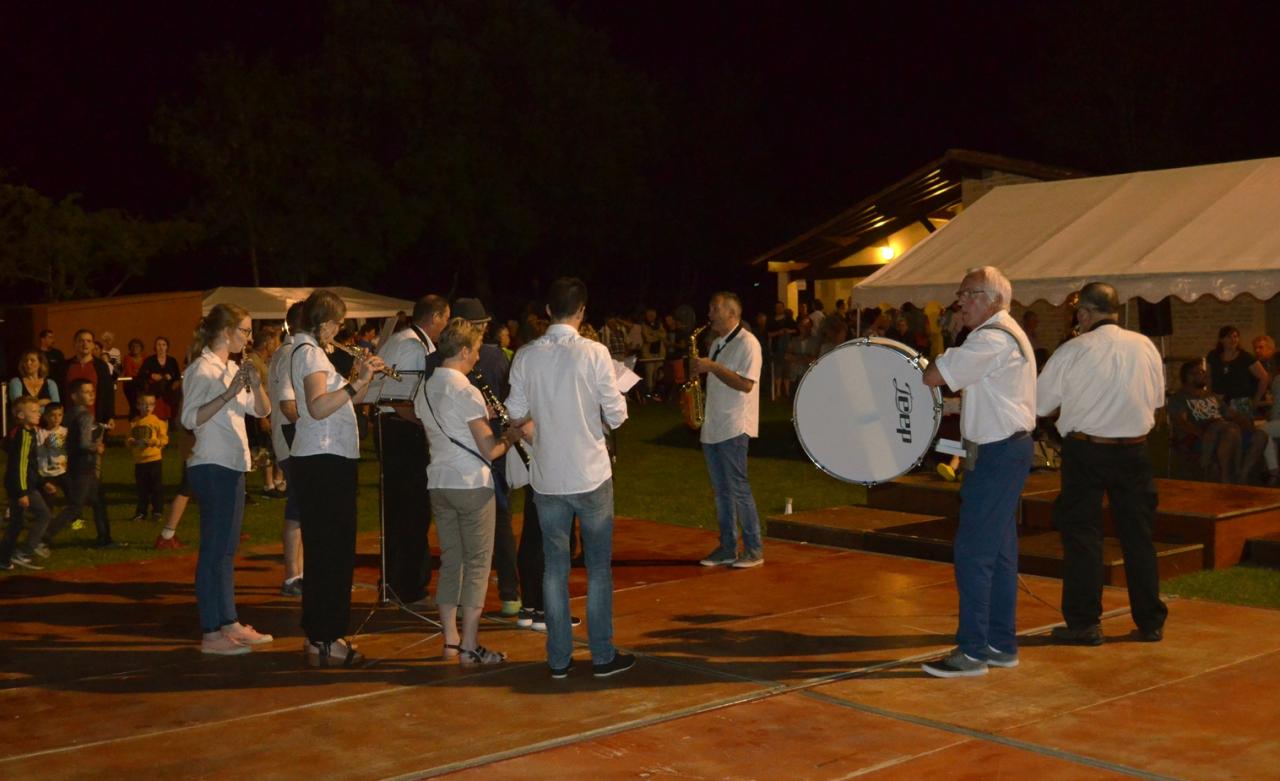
column 517, row 472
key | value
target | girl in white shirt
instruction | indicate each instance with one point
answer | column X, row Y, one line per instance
column 462, row 492
column 322, row 467
column 219, row 393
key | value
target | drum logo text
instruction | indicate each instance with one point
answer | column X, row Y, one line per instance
column 902, row 400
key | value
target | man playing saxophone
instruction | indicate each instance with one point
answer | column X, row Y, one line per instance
column 731, row 420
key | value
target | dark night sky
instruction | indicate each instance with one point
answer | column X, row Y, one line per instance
column 834, row 100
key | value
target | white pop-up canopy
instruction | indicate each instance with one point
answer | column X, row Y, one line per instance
column 270, row 303
column 1188, row 232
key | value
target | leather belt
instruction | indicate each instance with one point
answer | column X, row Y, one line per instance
column 1107, row 440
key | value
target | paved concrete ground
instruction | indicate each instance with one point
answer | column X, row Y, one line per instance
column 807, row 667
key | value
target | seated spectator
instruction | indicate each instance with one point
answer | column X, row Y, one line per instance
column 33, row 380
column 1264, row 349
column 1202, row 423
column 367, row 337
column 1270, row 430
column 901, row 332
column 1235, row 374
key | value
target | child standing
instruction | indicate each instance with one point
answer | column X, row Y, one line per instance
column 51, row 452
column 22, row 483
column 148, row 436
column 84, row 466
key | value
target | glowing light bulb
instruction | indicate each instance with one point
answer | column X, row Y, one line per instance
column 886, row 252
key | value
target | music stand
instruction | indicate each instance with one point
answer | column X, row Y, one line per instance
column 390, row 392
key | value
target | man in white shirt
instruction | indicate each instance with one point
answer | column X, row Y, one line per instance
column 731, row 421
column 404, row 478
column 1107, row 382
column 996, row 371
column 565, row 386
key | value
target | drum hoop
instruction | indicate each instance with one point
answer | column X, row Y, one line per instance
column 913, row 358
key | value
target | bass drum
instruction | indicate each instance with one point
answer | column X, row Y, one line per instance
column 863, row 413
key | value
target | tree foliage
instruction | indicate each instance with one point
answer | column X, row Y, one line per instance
column 66, row 252
column 446, row 141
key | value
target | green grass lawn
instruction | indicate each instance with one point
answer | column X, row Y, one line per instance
column 660, row 475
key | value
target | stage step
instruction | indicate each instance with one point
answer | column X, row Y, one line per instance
column 918, row 536
column 1264, row 551
column 929, row 494
column 839, row 527
column 1220, row 517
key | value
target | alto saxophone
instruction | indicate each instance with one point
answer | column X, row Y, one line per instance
column 692, row 399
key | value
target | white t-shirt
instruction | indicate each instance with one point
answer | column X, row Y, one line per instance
column 406, row 351
column 730, row 412
column 1107, row 381
column 997, row 379
column 335, row 435
column 221, row 440
column 455, row 402
column 279, row 389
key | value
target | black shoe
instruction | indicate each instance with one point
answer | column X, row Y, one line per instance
column 562, row 672
column 292, row 588
column 110, row 545
column 1151, row 635
column 621, row 663
column 1091, row 635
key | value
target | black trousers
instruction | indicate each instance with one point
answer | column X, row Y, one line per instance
column 83, row 487
column 327, row 503
column 530, row 558
column 407, row 508
column 150, row 481
column 504, row 538
column 1124, row 473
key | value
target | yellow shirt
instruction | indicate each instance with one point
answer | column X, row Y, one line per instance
column 153, row 448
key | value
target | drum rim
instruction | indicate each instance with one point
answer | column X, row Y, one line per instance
column 912, row 357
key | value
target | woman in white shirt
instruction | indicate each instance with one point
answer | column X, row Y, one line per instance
column 462, row 495
column 219, row 393
column 322, row 467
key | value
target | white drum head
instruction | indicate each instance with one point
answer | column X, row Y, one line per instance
column 863, row 413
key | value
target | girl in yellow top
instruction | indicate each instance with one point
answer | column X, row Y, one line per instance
column 148, row 436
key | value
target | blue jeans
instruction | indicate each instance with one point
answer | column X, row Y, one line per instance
column 986, row 547
column 220, row 492
column 727, row 465
column 595, row 514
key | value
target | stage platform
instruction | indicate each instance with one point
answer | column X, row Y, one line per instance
column 805, row 668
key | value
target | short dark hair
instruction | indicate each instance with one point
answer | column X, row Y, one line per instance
column 73, row 388
column 91, row 334
column 1185, row 371
column 293, row 316
column 426, row 308
column 1100, row 297
column 45, row 332
column 321, row 307
column 52, row 406
column 566, row 296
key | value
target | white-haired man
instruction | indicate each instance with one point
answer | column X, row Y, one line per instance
column 995, row 369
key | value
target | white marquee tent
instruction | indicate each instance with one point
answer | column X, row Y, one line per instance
column 270, row 303
column 1187, row 232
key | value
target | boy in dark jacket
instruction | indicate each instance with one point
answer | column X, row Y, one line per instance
column 84, row 469
column 22, row 484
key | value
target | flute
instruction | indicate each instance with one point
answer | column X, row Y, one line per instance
column 360, row 352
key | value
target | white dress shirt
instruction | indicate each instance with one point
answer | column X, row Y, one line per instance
column 335, row 435
column 221, row 439
column 730, row 412
column 455, row 402
column 997, row 380
column 405, row 351
column 1108, row 383
column 565, row 383
column 280, row 388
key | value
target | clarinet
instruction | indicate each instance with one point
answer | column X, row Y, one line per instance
column 499, row 409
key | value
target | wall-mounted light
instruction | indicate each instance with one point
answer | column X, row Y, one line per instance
column 886, row 252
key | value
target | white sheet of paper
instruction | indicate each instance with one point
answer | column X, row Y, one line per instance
column 627, row 379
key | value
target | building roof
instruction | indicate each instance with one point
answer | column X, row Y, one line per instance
column 924, row 192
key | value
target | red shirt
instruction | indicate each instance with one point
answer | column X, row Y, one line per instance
column 82, row 371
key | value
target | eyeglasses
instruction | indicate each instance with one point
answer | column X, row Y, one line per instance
column 245, row 331
column 961, row 295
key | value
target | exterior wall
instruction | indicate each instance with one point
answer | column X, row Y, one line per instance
column 172, row 315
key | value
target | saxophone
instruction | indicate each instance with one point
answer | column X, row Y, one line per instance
column 692, row 399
